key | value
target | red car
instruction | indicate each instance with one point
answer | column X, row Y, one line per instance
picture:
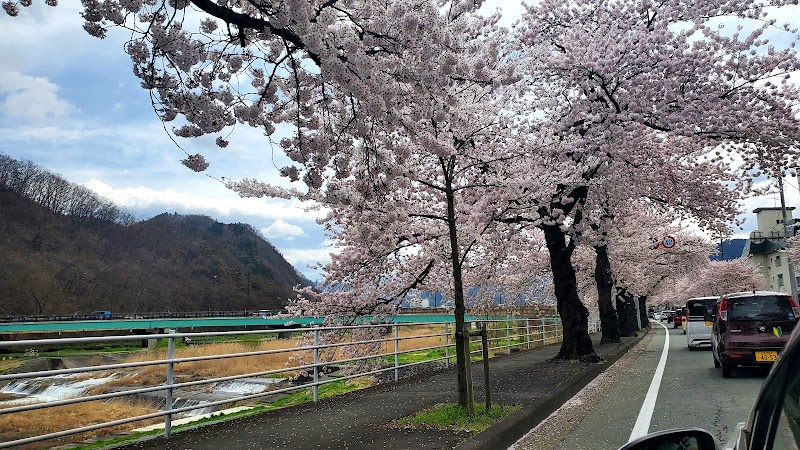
column 679, row 317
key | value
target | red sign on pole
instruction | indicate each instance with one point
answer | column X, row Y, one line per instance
column 666, row 242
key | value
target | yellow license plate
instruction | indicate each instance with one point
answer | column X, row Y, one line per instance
column 708, row 323
column 766, row 356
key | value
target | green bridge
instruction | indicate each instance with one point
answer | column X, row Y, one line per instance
column 216, row 322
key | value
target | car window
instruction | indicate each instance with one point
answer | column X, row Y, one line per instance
column 787, row 431
column 701, row 307
column 763, row 307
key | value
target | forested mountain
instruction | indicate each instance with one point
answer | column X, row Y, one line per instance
column 57, row 262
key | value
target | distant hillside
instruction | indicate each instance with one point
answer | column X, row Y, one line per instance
column 54, row 263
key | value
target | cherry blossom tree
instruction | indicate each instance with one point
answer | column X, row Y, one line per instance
column 621, row 73
column 717, row 278
column 640, row 267
column 394, row 106
column 689, row 188
column 388, row 78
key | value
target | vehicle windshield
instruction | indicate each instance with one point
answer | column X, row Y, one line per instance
column 767, row 307
column 701, row 307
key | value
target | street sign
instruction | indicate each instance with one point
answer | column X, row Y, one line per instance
column 666, row 242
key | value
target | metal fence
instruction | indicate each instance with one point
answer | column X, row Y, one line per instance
column 373, row 350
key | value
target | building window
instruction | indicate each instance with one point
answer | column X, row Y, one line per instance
column 778, row 261
column 780, row 279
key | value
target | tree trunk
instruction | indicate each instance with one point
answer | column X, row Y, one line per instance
column 605, row 283
column 626, row 312
column 574, row 316
column 462, row 333
column 643, row 312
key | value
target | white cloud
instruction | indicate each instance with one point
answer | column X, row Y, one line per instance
column 301, row 258
column 227, row 204
column 31, row 98
column 281, row 229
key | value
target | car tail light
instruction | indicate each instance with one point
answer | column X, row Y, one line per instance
column 795, row 308
column 723, row 309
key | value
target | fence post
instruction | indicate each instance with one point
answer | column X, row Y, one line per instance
column 170, row 380
column 543, row 328
column 396, row 353
column 485, row 351
column 316, row 365
column 468, row 369
column 508, row 338
column 528, row 332
column 446, row 345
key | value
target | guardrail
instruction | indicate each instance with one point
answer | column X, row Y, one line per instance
column 370, row 350
column 103, row 315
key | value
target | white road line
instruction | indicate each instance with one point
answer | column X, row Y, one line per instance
column 646, row 413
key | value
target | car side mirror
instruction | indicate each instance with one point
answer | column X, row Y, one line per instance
column 677, row 439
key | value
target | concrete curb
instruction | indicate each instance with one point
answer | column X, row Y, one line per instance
column 510, row 430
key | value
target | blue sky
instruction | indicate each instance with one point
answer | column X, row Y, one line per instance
column 70, row 103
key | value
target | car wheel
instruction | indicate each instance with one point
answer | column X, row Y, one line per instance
column 717, row 365
column 674, row 325
column 691, row 349
column 727, row 371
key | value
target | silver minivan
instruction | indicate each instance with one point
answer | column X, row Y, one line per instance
column 698, row 329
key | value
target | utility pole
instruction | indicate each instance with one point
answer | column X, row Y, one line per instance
column 787, row 227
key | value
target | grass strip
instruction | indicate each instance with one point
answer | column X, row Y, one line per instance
column 452, row 416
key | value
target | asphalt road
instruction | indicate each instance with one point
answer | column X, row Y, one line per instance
column 691, row 393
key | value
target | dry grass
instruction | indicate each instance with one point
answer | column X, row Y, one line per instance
column 151, row 375
column 413, row 344
column 9, row 364
column 33, row 423
column 195, row 370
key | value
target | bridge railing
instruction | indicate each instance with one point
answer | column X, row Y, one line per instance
column 364, row 350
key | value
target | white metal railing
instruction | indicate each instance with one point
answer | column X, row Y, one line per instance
column 505, row 335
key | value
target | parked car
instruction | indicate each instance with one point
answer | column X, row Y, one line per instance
column 678, row 318
column 751, row 328
column 666, row 315
column 698, row 326
column 773, row 423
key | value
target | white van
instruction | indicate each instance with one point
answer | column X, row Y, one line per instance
column 698, row 329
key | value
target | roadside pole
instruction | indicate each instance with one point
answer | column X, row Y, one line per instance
column 788, row 231
column 638, row 314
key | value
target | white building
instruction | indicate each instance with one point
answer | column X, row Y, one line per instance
column 764, row 249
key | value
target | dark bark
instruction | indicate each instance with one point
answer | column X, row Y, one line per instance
column 605, row 284
column 574, row 316
column 462, row 333
column 626, row 312
column 643, row 312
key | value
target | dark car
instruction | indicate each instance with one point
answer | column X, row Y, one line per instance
column 751, row 328
column 773, row 424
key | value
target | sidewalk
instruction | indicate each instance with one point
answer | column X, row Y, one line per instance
column 358, row 420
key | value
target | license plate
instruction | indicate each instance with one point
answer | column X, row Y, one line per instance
column 708, row 323
column 766, row 356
